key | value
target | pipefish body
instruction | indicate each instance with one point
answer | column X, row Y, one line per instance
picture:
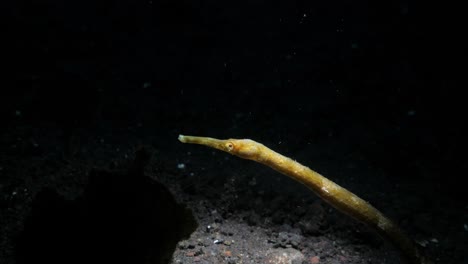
column 335, row 195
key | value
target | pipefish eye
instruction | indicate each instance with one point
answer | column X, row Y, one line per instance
column 229, row 146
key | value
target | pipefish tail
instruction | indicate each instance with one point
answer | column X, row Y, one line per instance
column 335, row 195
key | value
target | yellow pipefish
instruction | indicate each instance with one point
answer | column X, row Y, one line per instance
column 337, row 196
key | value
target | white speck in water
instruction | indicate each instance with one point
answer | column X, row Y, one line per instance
column 465, row 226
column 253, row 182
column 181, row 166
column 18, row 113
column 146, row 85
column 422, row 243
column 411, row 112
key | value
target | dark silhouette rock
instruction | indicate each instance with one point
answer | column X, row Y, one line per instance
column 121, row 218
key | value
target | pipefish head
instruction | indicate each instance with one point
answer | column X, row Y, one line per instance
column 243, row 148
